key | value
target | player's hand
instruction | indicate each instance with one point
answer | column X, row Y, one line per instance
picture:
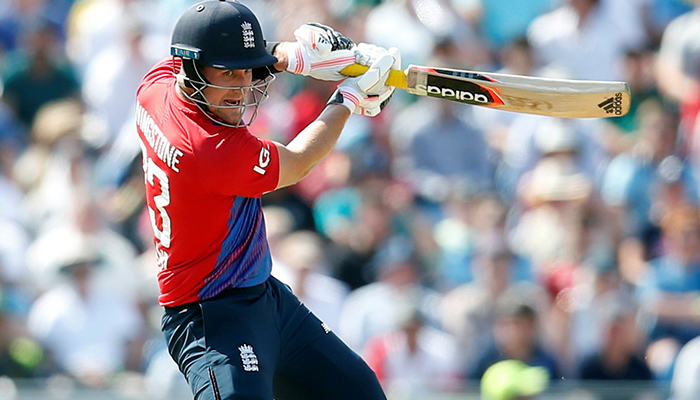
column 367, row 94
column 366, row 53
column 319, row 52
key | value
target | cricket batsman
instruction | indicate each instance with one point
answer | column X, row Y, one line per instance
column 234, row 331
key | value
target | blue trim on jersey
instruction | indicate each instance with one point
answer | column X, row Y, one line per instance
column 245, row 258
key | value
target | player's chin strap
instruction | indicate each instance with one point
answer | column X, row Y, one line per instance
column 257, row 92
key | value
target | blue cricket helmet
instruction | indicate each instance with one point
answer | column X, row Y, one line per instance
column 227, row 35
column 221, row 34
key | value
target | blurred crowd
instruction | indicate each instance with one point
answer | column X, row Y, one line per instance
column 437, row 239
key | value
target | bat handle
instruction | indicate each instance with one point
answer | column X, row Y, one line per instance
column 397, row 78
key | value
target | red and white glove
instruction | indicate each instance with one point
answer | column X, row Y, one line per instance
column 367, row 94
column 319, row 52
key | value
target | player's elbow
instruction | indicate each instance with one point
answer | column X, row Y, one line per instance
column 293, row 172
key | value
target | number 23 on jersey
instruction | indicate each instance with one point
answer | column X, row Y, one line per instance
column 155, row 176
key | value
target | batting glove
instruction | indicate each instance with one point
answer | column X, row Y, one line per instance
column 319, row 52
column 367, row 94
column 366, row 53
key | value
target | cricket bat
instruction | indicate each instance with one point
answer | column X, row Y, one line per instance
column 524, row 94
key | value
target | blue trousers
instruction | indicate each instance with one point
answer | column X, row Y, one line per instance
column 262, row 343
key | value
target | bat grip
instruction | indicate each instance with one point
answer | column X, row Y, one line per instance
column 397, row 78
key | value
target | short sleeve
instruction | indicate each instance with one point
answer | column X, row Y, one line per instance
column 164, row 69
column 238, row 164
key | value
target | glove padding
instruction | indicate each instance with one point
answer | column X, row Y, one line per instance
column 366, row 53
column 367, row 94
column 319, row 52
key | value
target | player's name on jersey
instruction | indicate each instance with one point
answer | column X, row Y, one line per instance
column 163, row 149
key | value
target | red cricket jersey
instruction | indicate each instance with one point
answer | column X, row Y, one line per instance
column 203, row 186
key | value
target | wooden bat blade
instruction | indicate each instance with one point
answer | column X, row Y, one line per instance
column 543, row 96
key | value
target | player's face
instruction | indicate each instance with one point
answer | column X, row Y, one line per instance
column 227, row 97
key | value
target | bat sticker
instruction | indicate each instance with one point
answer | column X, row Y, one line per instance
column 462, row 91
column 613, row 105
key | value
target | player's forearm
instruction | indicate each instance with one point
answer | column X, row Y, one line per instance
column 317, row 140
column 311, row 145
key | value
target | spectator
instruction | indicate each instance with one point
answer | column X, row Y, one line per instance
column 636, row 177
column 96, row 25
column 414, row 360
column 597, row 284
column 473, row 225
column 516, row 336
column 531, row 138
column 619, row 356
column 87, row 220
column 41, row 76
column 302, row 265
column 442, row 151
column 550, row 230
column 669, row 287
column 676, row 68
column 638, row 73
column 14, row 16
column 469, row 310
column 587, row 38
column 359, row 220
column 678, row 73
column 375, row 308
column 53, row 171
column 87, row 329
column 110, row 80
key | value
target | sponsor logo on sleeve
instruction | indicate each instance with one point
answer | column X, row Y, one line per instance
column 263, row 161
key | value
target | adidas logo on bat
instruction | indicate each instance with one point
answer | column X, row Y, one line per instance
column 613, row 105
column 454, row 94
